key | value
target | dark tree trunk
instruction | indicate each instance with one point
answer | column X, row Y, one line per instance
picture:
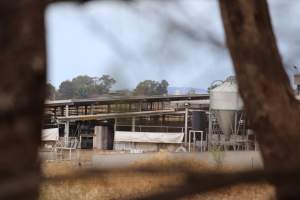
column 22, row 88
column 264, row 85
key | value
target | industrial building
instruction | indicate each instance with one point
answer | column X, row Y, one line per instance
column 101, row 123
column 151, row 123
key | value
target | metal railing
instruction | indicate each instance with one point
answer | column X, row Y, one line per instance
column 66, row 144
column 202, row 142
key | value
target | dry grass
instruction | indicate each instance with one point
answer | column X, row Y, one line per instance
column 120, row 185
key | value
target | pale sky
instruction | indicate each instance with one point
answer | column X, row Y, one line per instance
column 134, row 43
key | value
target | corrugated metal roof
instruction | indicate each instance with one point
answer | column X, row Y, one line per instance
column 111, row 99
column 117, row 115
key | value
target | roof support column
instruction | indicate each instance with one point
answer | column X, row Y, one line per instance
column 67, row 129
column 67, row 123
column 133, row 124
column 115, row 125
column 186, row 125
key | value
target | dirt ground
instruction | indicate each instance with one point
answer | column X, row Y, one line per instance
column 111, row 186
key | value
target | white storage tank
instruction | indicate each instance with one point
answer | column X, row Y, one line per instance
column 226, row 97
column 225, row 102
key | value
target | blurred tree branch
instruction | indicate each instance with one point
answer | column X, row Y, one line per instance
column 264, row 86
column 81, row 1
column 22, row 92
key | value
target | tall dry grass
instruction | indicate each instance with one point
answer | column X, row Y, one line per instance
column 120, row 185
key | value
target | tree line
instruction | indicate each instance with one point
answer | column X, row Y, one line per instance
column 84, row 86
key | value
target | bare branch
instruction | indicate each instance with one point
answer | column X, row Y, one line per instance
column 81, row 1
column 59, row 1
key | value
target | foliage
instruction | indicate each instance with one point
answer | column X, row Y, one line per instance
column 66, row 90
column 50, row 91
column 84, row 86
column 105, row 83
column 150, row 87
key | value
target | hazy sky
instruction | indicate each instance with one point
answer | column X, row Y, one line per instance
column 134, row 43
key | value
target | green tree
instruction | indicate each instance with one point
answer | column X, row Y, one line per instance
column 51, row 92
column 66, row 90
column 104, row 84
column 84, row 86
column 163, row 87
column 150, row 87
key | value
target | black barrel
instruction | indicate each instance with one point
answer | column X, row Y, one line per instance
column 199, row 120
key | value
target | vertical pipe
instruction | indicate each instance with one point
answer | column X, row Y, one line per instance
column 67, row 129
column 194, row 141
column 67, row 123
column 133, row 124
column 67, row 133
column 67, row 110
column 189, row 141
column 186, row 125
column 80, row 141
column 115, row 125
column 235, row 123
column 201, row 142
column 209, row 129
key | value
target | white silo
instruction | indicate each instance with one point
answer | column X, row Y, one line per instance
column 225, row 106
